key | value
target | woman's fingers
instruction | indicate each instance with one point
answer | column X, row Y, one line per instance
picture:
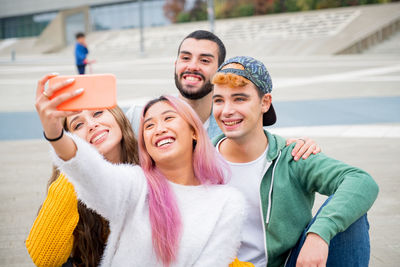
column 64, row 97
column 51, row 90
column 42, row 82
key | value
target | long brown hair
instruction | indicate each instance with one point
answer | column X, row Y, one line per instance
column 92, row 230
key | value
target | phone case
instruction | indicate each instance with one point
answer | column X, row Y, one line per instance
column 100, row 92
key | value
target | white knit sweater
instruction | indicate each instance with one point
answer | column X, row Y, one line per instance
column 212, row 216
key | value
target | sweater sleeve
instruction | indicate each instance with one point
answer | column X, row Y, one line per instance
column 51, row 237
column 223, row 245
column 107, row 188
column 354, row 193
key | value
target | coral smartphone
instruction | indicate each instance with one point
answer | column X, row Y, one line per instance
column 100, row 91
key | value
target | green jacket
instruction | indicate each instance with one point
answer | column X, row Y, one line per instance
column 287, row 195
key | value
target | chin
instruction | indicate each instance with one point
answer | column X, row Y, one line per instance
column 233, row 135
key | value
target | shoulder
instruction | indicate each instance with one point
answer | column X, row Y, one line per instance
column 132, row 170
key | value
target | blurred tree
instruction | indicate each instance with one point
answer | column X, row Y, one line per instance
column 243, row 10
column 183, row 17
column 199, row 10
column 239, row 8
column 226, row 9
column 263, row 6
column 291, row 6
column 307, row 4
column 327, row 4
column 172, row 8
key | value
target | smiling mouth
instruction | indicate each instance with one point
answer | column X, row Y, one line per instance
column 165, row 142
column 192, row 78
column 231, row 123
column 98, row 137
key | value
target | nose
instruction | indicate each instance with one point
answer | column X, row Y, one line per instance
column 192, row 65
column 227, row 109
column 92, row 125
column 160, row 128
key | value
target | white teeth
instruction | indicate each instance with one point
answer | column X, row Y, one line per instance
column 98, row 137
column 165, row 141
column 230, row 123
column 191, row 78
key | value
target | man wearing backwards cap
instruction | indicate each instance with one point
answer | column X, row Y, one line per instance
column 280, row 191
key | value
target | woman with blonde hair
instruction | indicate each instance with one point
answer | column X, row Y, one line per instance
column 65, row 229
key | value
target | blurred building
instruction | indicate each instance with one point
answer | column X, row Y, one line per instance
column 23, row 18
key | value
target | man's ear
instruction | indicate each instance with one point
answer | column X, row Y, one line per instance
column 266, row 101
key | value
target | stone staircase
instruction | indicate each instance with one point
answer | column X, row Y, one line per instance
column 320, row 32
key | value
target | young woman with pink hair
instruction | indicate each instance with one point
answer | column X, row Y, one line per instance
column 174, row 209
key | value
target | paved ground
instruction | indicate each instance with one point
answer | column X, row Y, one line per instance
column 349, row 104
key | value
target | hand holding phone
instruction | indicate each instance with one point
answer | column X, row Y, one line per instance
column 100, row 92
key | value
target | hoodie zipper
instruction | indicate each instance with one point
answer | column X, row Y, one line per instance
column 269, row 206
column 270, row 190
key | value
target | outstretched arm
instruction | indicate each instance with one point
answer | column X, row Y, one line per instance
column 51, row 118
column 101, row 185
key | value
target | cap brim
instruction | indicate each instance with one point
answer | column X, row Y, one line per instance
column 269, row 117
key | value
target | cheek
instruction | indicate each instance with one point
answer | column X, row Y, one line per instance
column 217, row 109
column 180, row 67
column 221, row 106
column 146, row 138
column 119, row 136
column 81, row 133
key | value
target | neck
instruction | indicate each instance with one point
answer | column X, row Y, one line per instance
column 202, row 106
column 114, row 156
column 181, row 173
column 244, row 149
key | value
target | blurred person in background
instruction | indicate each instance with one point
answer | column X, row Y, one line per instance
column 81, row 52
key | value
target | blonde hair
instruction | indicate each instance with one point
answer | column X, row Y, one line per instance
column 232, row 80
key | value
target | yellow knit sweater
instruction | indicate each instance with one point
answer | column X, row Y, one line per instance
column 51, row 237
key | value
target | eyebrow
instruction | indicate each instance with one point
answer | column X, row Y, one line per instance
column 167, row 111
column 240, row 94
column 215, row 96
column 233, row 95
column 202, row 55
column 74, row 119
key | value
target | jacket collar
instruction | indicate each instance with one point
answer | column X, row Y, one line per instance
column 275, row 143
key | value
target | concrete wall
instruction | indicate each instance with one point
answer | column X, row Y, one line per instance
column 53, row 37
column 24, row 7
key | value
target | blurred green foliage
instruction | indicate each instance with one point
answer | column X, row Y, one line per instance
column 242, row 8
